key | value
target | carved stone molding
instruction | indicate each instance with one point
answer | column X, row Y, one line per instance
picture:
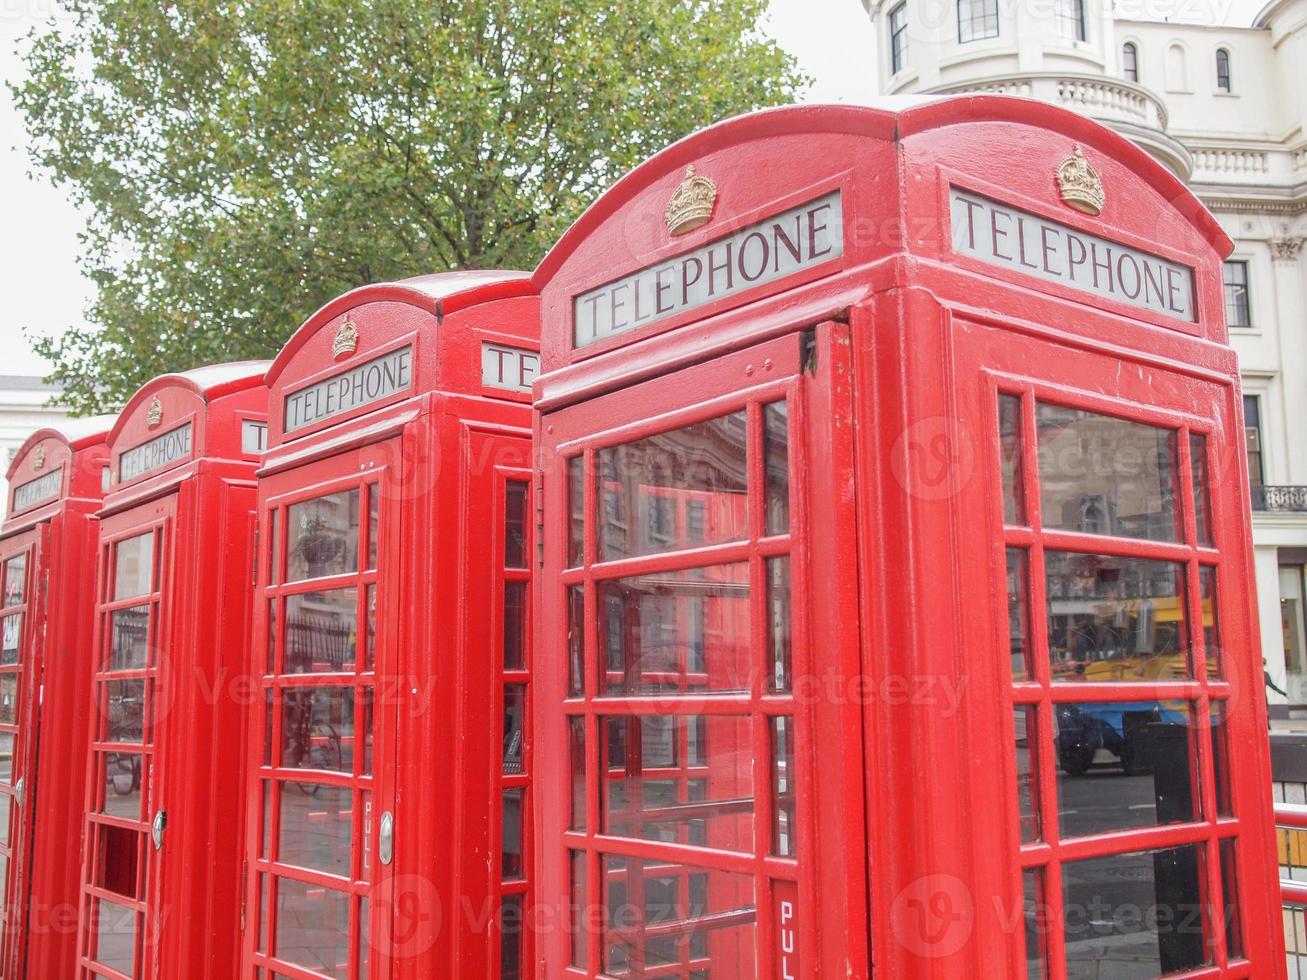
column 1286, row 249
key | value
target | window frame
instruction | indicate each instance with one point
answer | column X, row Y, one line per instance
column 1239, row 308
column 1224, row 74
column 898, row 32
column 1069, row 20
column 1130, row 61
column 975, row 24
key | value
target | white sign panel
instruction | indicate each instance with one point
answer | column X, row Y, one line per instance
column 1004, row 236
column 368, row 382
column 796, row 239
column 38, row 491
column 155, row 454
column 508, row 368
column 254, row 437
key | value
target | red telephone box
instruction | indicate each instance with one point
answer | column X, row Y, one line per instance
column 48, row 543
column 162, row 840
column 896, row 612
column 389, row 792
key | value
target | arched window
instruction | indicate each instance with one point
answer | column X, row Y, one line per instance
column 1130, row 61
column 1223, row 69
column 1177, row 72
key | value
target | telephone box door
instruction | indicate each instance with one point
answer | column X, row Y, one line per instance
column 125, row 845
column 322, row 808
column 698, row 603
column 20, row 698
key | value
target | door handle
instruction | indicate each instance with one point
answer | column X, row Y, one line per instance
column 386, row 846
column 157, row 827
column 20, row 789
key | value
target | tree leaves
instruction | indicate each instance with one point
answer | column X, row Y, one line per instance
column 247, row 160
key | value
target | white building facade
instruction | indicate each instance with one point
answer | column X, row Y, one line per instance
column 1224, row 108
column 24, row 408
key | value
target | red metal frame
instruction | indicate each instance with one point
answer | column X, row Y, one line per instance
column 172, row 616
column 447, row 457
column 898, row 350
column 55, row 480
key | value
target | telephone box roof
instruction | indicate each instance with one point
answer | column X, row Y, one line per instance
column 439, row 293
column 890, row 119
column 77, row 433
column 207, row 383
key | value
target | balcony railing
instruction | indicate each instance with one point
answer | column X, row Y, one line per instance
column 1280, row 499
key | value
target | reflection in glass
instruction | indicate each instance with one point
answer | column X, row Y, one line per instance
column 1221, row 768
column 780, row 635
column 313, row 927
column 120, row 773
column 1115, row 619
column 370, row 650
column 1009, row 442
column 1198, row 469
column 1211, row 626
column 366, row 730
column 1230, row 891
column 784, row 806
column 581, row 917
column 118, row 860
column 323, row 536
column 12, row 631
column 1018, row 615
column 7, row 758
column 115, row 937
column 8, row 699
column 515, row 496
column 575, row 641
column 321, row 632
column 661, row 914
column 647, row 486
column 317, row 728
column 272, row 636
column 677, row 631
column 511, row 865
column 374, row 528
column 125, row 711
column 514, row 716
column 1134, row 915
column 679, row 778
column 511, row 926
column 776, row 460
column 1124, row 764
column 576, row 766
column 15, row 580
column 133, row 566
column 514, row 625
column 1036, row 917
column 575, row 511
column 130, row 638
column 1027, row 773
column 316, row 821
column 6, row 804
column 272, row 547
column 1104, row 475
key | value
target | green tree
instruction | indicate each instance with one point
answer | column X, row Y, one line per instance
column 246, row 160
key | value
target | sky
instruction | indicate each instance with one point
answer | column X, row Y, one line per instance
column 45, row 292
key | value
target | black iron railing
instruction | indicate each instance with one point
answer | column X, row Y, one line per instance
column 1267, row 498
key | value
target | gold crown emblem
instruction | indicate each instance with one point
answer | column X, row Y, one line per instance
column 1080, row 184
column 38, row 458
column 347, row 339
column 692, row 203
column 154, row 414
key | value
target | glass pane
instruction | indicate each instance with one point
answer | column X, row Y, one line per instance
column 514, row 625
column 264, row 915
column 313, row 927
column 581, row 913
column 1221, row 768
column 576, row 766
column 776, row 456
column 118, row 860
column 6, row 805
column 780, row 634
column 323, row 536
column 1036, row 916
column 1198, row 467
column 510, row 864
column 272, row 547
column 784, row 806
column 515, row 496
column 677, row 631
column 8, row 699
column 13, row 631
column 514, row 718
column 370, row 649
column 1125, row 764
column 661, row 914
column 1026, row 720
column 315, row 827
column 511, row 926
column 121, row 775
column 1104, row 475
column 364, row 939
column 321, row 632
column 265, row 834
column 115, row 937
column 646, row 487
column 1009, row 441
column 1115, row 619
column 367, row 732
column 575, row 641
column 1211, row 627
column 16, row 580
column 317, row 728
column 125, row 711
column 134, row 566
column 1134, row 915
column 130, row 648
column 272, row 636
column 7, row 758
column 1230, row 891
column 374, row 528
column 682, row 779
column 575, row 511
column 1018, row 614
